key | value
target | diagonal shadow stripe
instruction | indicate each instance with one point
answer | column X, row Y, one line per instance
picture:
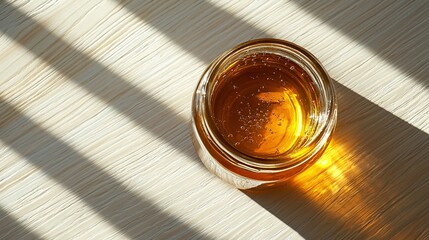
column 397, row 31
column 189, row 30
column 199, row 27
column 10, row 228
column 380, row 134
column 124, row 209
column 100, row 81
column 388, row 126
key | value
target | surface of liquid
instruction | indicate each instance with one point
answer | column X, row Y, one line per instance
column 262, row 105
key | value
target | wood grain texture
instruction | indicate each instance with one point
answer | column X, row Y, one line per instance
column 95, row 107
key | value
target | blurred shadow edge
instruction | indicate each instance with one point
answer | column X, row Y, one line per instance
column 93, row 185
column 396, row 31
column 10, row 228
column 112, row 89
column 356, row 105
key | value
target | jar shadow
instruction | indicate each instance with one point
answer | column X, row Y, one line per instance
column 369, row 183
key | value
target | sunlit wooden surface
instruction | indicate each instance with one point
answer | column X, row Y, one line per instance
column 95, row 107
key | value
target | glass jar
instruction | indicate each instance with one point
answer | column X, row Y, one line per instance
column 221, row 153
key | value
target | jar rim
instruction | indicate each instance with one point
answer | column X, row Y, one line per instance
column 253, row 163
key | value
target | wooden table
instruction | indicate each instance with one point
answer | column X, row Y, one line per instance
column 95, row 110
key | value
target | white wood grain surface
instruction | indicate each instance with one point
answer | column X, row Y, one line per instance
column 95, row 107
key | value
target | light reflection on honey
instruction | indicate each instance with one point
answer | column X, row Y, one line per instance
column 285, row 119
column 331, row 183
column 264, row 105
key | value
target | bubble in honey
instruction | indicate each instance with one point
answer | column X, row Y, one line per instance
column 260, row 105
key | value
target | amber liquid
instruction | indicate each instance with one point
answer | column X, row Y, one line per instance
column 263, row 105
